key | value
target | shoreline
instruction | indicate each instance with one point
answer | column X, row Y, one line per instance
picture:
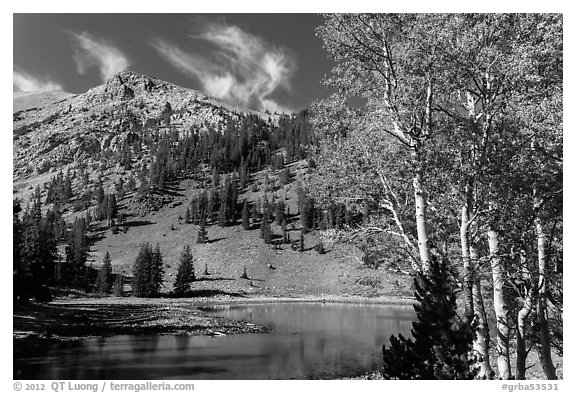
column 81, row 318
column 66, row 321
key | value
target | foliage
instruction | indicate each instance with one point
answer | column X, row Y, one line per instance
column 148, row 272
column 245, row 216
column 185, row 275
column 462, row 113
column 202, row 236
column 118, row 286
column 441, row 343
column 104, row 276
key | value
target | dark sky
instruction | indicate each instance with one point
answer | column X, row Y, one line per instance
column 263, row 61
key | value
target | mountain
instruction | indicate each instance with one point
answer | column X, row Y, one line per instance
column 154, row 149
column 73, row 127
column 28, row 100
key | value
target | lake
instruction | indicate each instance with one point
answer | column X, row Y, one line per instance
column 308, row 341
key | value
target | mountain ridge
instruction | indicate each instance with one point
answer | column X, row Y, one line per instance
column 73, row 128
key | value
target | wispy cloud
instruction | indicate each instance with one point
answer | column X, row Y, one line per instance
column 23, row 81
column 239, row 67
column 92, row 51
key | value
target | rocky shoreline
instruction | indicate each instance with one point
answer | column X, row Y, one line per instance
column 81, row 318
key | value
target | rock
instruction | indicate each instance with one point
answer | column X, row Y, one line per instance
column 127, row 93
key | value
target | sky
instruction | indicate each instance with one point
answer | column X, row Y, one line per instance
column 260, row 61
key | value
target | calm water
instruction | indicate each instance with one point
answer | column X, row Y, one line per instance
column 309, row 340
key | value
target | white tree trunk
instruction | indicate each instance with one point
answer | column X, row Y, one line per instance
column 482, row 342
column 529, row 296
column 467, row 269
column 420, row 202
column 544, row 347
column 500, row 309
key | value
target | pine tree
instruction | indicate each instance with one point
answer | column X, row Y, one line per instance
column 99, row 194
column 77, row 252
column 245, row 216
column 262, row 229
column 157, row 271
column 347, row 216
column 267, row 233
column 202, row 236
column 306, row 206
column 104, row 275
column 141, row 272
column 118, row 287
column 285, row 235
column 301, row 244
column 66, row 192
column 185, row 275
column 148, row 272
column 441, row 347
column 222, row 221
column 279, row 212
column 112, row 209
column 256, row 215
column 187, row 219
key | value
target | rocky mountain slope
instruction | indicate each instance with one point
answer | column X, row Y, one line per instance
column 26, row 100
column 81, row 132
column 75, row 128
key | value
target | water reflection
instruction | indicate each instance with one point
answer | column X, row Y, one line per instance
column 309, row 340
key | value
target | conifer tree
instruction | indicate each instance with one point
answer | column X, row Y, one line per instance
column 441, row 343
column 20, row 276
column 141, row 271
column 285, row 235
column 256, row 215
column 112, row 208
column 148, row 272
column 104, row 275
column 245, row 216
column 118, row 287
column 279, row 212
column 202, row 236
column 157, row 271
column 77, row 251
column 267, row 232
column 222, row 220
column 66, row 192
column 99, row 194
column 262, row 229
column 347, row 217
column 306, row 207
column 185, row 275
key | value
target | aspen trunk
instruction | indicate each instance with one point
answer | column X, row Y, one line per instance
column 521, row 353
column 482, row 341
column 544, row 348
column 467, row 269
column 502, row 342
column 420, row 202
column 528, row 305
